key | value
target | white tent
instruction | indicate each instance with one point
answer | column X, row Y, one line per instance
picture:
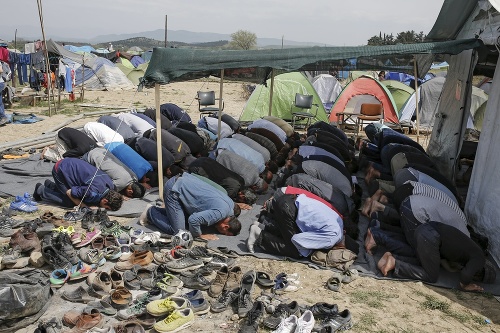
column 327, row 87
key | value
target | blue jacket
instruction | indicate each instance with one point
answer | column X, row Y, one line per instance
column 130, row 158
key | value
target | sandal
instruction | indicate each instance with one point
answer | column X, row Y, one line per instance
column 264, row 280
column 335, row 282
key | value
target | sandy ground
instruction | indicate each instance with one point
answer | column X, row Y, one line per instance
column 376, row 305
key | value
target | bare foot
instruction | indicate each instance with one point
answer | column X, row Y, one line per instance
column 376, row 207
column 376, row 196
column 371, row 173
column 366, row 207
column 387, row 263
column 369, row 241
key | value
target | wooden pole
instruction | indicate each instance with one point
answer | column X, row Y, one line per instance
column 416, row 98
column 158, row 140
column 14, row 72
column 166, row 20
column 82, row 94
column 271, row 92
column 219, row 124
column 46, row 53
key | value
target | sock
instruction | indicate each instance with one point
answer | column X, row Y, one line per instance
column 254, row 233
column 143, row 219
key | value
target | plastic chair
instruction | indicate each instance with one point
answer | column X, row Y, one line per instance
column 303, row 102
column 369, row 113
column 207, row 102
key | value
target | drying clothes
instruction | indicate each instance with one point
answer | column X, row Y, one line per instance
column 4, row 54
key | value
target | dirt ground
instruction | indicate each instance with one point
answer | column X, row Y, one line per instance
column 376, row 305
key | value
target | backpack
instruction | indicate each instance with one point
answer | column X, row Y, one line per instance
column 340, row 259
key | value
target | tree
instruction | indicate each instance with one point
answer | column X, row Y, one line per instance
column 243, row 40
column 405, row 37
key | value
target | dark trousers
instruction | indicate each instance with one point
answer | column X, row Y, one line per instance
column 277, row 239
column 55, row 191
column 427, row 242
column 394, row 242
column 408, row 222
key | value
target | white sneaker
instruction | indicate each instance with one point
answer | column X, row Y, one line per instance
column 287, row 325
column 305, row 323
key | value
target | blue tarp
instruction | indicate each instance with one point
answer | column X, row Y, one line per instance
column 86, row 48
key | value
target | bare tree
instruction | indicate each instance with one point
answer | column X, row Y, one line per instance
column 243, row 40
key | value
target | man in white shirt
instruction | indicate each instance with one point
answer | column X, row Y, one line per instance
column 101, row 133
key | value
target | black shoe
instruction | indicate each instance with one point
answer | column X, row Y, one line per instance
column 254, row 317
column 88, row 220
column 196, row 281
column 101, row 216
column 245, row 303
column 339, row 322
column 227, row 298
column 37, row 196
column 282, row 311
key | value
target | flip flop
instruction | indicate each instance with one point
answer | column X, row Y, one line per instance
column 335, row 282
column 263, row 279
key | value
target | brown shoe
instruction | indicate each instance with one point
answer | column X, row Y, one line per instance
column 70, row 318
column 87, row 321
column 121, row 298
column 103, row 282
column 131, row 326
column 218, row 283
column 142, row 258
column 234, row 278
column 116, row 279
column 27, row 240
column 98, row 243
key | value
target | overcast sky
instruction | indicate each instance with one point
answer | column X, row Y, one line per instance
column 332, row 22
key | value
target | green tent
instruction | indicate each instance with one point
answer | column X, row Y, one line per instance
column 285, row 87
column 133, row 74
column 400, row 92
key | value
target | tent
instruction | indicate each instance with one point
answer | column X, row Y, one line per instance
column 429, row 94
column 464, row 19
column 98, row 73
column 478, row 103
column 400, row 92
column 133, row 74
column 365, row 90
column 327, row 87
column 485, row 85
column 285, row 87
column 478, row 117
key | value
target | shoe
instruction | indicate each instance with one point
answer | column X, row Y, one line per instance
column 102, row 281
column 97, row 243
column 10, row 257
column 87, row 321
column 305, row 324
column 205, row 271
column 199, row 306
column 62, row 244
column 116, row 279
column 248, row 281
column 183, row 264
column 101, row 216
column 131, row 326
column 27, row 198
column 335, row 281
column 220, row 261
column 142, row 258
column 217, row 285
column 234, row 278
column 339, row 322
column 152, row 295
column 78, row 295
column 54, row 259
column 89, row 237
column 52, row 325
column 58, row 278
column 26, row 240
column 287, row 325
column 101, row 306
column 281, row 312
column 110, row 240
column 263, row 279
column 284, row 286
column 350, row 275
column 166, row 306
column 112, row 252
column 195, row 282
column 88, row 220
column 92, row 256
column 199, row 252
column 4, row 121
column 254, row 317
column 176, row 321
column 23, row 206
column 227, row 298
column 134, row 310
column 193, row 295
column 245, row 303
column 120, row 298
column 321, row 311
column 145, row 237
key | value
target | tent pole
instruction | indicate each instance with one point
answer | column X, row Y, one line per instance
column 46, row 53
column 82, row 94
column 220, row 103
column 271, row 91
column 158, row 140
column 166, row 20
column 14, row 72
column 416, row 98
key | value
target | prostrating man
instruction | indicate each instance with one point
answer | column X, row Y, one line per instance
column 174, row 113
column 147, row 149
column 204, row 206
column 178, row 148
column 246, row 169
column 70, row 142
column 165, row 122
column 192, row 139
column 124, row 179
column 244, row 151
column 76, row 182
column 138, row 125
column 101, row 133
column 117, row 125
column 301, row 225
column 212, row 124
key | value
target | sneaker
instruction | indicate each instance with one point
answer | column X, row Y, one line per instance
column 193, row 295
column 62, row 243
column 89, row 237
column 287, row 325
column 220, row 261
column 92, row 256
column 80, row 271
column 199, row 252
column 217, row 285
column 58, row 277
column 245, row 303
column 205, row 271
column 227, row 298
column 305, row 323
column 88, row 220
column 254, row 317
column 101, row 306
column 152, row 295
column 112, row 253
column 10, row 257
column 322, row 310
column 23, row 206
column 54, row 259
column 184, row 264
column 199, row 306
column 166, row 306
column 339, row 322
column 146, row 237
column 134, row 310
column 101, row 216
column 27, row 198
column 78, row 295
column 178, row 320
column 233, row 278
column 281, row 312
column 195, row 282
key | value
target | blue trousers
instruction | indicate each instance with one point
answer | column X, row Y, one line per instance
column 2, row 108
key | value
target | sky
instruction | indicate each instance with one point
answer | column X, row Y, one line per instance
column 332, row 22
